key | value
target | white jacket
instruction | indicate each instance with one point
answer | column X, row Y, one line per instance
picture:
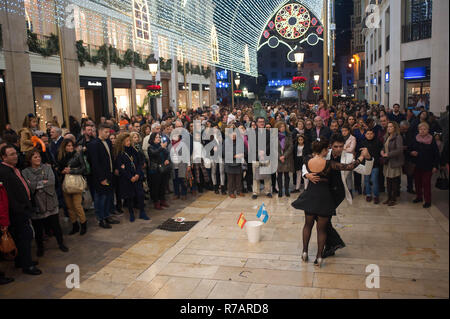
column 346, row 158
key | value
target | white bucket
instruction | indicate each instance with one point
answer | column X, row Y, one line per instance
column 253, row 231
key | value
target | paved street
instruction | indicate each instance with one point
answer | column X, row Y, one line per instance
column 214, row 259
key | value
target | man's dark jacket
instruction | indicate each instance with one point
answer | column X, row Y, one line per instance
column 19, row 205
column 100, row 164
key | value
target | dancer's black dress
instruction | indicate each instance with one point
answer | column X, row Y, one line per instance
column 317, row 199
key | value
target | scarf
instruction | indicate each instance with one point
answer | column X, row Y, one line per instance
column 346, row 137
column 282, row 139
column 427, row 139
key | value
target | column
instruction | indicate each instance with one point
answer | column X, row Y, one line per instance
column 382, row 60
column 200, row 94
column 133, row 91
column 439, row 57
column 18, row 84
column 174, row 84
column 189, row 106
column 212, row 87
column 71, row 66
column 396, row 82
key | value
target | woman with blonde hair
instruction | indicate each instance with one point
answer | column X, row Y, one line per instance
column 425, row 153
column 129, row 165
column 393, row 160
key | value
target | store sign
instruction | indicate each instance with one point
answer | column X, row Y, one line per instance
column 1, row 80
column 387, row 76
column 415, row 73
column 90, row 83
column 47, row 97
column 374, row 81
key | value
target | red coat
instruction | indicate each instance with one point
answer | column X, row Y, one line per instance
column 4, row 207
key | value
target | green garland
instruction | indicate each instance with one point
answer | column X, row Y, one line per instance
column 206, row 72
column 165, row 65
column 50, row 48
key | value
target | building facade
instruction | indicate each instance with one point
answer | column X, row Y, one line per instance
column 407, row 54
column 106, row 47
column 358, row 53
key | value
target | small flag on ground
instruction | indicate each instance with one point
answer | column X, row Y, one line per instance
column 241, row 221
column 262, row 214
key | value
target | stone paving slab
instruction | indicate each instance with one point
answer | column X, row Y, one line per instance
column 214, row 259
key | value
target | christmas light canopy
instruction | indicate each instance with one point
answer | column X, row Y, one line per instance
column 224, row 33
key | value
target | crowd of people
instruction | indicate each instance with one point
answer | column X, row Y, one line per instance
column 122, row 163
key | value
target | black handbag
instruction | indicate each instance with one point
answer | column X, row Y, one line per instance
column 162, row 169
column 442, row 181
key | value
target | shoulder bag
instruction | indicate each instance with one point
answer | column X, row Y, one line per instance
column 7, row 246
column 74, row 184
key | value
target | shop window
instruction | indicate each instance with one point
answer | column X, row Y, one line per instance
column 418, row 95
column 122, row 98
column 48, row 104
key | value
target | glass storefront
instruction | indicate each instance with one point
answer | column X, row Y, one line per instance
column 93, row 98
column 418, row 95
column 182, row 93
column 122, row 98
column 195, row 96
column 205, row 96
column 141, row 94
column 48, row 104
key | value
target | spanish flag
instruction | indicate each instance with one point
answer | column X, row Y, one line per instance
column 241, row 221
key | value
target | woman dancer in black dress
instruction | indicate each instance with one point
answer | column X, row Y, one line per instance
column 317, row 200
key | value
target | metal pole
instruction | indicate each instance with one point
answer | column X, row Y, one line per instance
column 232, row 90
column 325, row 50
column 299, row 71
column 186, row 91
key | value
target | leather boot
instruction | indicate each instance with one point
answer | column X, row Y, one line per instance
column 75, row 228
column 83, row 228
column 164, row 204
column 158, row 205
column 216, row 189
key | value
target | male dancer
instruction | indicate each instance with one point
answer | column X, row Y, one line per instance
column 339, row 187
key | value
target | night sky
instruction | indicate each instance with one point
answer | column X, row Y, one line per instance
column 344, row 10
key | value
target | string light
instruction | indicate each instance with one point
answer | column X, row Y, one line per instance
column 185, row 24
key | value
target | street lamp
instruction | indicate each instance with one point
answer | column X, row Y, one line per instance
column 317, row 78
column 153, row 69
column 299, row 56
column 153, row 66
column 353, row 60
column 237, row 81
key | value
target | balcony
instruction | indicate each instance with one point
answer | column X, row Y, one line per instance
column 416, row 31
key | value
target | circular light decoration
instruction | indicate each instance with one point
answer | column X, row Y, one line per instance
column 312, row 39
column 292, row 21
column 273, row 42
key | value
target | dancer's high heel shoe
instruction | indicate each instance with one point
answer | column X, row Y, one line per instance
column 305, row 257
column 318, row 262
